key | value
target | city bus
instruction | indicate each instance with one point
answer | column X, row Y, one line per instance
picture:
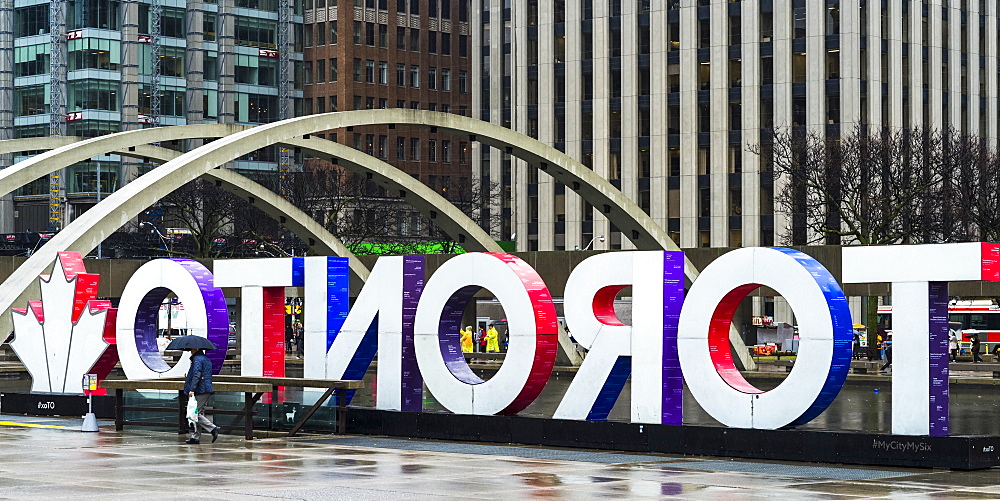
column 980, row 315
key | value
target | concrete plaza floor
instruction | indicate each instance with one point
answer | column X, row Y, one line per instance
column 51, row 458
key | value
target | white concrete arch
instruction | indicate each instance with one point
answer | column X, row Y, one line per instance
column 95, row 224
column 320, row 241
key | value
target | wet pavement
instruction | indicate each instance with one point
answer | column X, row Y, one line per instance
column 52, row 459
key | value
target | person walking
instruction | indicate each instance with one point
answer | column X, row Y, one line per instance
column 300, row 344
column 976, row 358
column 953, row 345
column 887, row 347
column 467, row 340
column 198, row 385
column 492, row 340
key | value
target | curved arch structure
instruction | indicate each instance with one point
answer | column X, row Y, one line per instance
column 320, row 241
column 93, row 226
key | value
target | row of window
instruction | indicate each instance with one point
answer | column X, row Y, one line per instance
column 435, row 8
column 330, row 104
column 437, row 78
column 411, row 149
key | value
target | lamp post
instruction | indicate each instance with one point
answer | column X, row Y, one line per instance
column 600, row 238
column 166, row 244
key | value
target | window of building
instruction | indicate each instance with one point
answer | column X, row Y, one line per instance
column 463, row 152
column 334, row 71
column 445, row 108
column 463, row 45
column 357, row 69
column 383, row 36
column 370, row 34
column 414, row 39
column 445, row 151
column 401, row 6
column 383, row 147
column 400, row 38
column 432, row 40
column 357, row 32
column 401, row 75
column 414, row 76
column 333, row 105
column 370, row 144
column 414, row 7
column 432, row 150
column 307, row 72
column 357, row 102
column 320, row 105
column 463, row 81
column 401, row 103
column 383, row 72
column 257, row 32
column 33, row 20
column 446, row 44
column 400, row 148
column 432, row 78
column 333, row 32
column 370, row 103
column 445, row 79
column 414, row 149
column 320, row 33
column 34, row 59
column 370, row 71
column 320, row 71
column 414, row 105
column 383, row 103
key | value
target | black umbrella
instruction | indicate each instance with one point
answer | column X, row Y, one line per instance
column 190, row 343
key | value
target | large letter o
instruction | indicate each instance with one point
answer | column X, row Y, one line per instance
column 824, row 355
column 204, row 304
column 531, row 322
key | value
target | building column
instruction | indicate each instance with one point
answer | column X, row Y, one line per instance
column 689, row 125
column 601, row 113
column 750, row 108
column 719, row 106
column 782, row 22
column 659, row 113
column 573, row 78
column 226, row 26
column 628, row 162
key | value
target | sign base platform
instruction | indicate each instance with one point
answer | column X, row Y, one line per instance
column 875, row 449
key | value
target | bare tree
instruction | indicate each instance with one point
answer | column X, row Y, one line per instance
column 867, row 187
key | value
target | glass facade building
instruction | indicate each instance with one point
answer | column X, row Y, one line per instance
column 218, row 63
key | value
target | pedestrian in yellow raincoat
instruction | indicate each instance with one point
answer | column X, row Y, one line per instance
column 467, row 340
column 492, row 340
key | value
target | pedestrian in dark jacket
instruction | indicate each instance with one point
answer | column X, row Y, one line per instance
column 976, row 344
column 198, row 385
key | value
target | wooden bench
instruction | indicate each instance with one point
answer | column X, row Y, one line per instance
column 857, row 366
column 493, row 357
column 976, row 367
column 251, row 393
column 298, row 382
column 252, row 387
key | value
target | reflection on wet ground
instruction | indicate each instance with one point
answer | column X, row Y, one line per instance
column 863, row 405
column 65, row 463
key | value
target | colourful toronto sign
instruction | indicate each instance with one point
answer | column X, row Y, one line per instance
column 412, row 322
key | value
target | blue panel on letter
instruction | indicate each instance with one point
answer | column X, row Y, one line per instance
column 843, row 331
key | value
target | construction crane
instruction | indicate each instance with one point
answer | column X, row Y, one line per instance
column 57, row 100
column 284, row 88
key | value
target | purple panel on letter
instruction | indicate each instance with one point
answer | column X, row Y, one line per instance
column 673, row 298
column 145, row 329
column 413, row 285
column 448, row 336
column 937, row 295
column 215, row 310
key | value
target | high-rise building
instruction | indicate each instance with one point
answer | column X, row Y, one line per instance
column 411, row 54
column 88, row 68
column 664, row 98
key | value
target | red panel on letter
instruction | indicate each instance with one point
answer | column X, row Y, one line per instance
column 274, row 333
column 718, row 339
column 604, row 304
column 991, row 262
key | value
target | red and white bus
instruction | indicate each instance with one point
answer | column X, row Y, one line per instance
column 983, row 316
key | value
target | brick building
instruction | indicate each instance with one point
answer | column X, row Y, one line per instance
column 371, row 54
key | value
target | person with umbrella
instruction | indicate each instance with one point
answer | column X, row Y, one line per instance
column 198, row 384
